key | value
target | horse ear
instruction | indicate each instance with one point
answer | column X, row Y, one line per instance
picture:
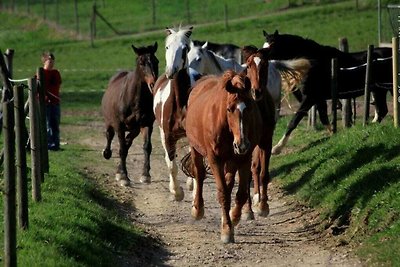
column 265, row 33
column 276, row 32
column 136, row 50
column 205, row 45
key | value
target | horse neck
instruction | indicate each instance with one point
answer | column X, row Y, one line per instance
column 220, row 64
column 181, row 85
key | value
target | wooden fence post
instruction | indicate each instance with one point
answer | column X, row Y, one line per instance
column 367, row 83
column 10, row 235
column 44, row 153
column 35, row 142
column 396, row 74
column 334, row 92
column 346, row 103
column 22, row 181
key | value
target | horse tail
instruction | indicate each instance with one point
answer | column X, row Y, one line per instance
column 293, row 72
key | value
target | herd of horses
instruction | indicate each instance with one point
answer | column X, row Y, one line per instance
column 226, row 108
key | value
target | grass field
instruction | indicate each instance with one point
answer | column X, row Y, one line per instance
column 352, row 178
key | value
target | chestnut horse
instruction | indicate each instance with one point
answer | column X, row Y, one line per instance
column 127, row 106
column 222, row 125
column 171, row 93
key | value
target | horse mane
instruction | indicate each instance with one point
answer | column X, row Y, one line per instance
column 183, row 31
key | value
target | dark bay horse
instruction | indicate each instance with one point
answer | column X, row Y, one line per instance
column 316, row 89
column 257, row 71
column 127, row 107
column 171, row 93
column 222, row 125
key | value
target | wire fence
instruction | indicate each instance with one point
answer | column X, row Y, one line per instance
column 141, row 16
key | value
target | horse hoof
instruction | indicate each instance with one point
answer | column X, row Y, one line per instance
column 179, row 194
column 263, row 211
column 124, row 182
column 197, row 214
column 189, row 184
column 145, row 179
column 276, row 150
column 227, row 238
column 248, row 216
column 107, row 153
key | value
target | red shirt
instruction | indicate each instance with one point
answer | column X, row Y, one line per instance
column 52, row 83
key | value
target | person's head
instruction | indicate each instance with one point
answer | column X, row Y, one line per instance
column 48, row 60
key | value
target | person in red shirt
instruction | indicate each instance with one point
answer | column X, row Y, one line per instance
column 52, row 84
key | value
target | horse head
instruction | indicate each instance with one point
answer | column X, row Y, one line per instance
column 270, row 38
column 239, row 110
column 147, row 64
column 177, row 46
column 257, row 70
column 197, row 56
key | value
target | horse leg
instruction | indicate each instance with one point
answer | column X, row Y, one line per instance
column 189, row 181
column 107, row 153
column 147, row 148
column 200, row 174
column 305, row 105
column 227, row 231
column 265, row 177
column 380, row 104
column 322, row 108
column 248, row 213
column 242, row 194
column 122, row 173
column 170, row 159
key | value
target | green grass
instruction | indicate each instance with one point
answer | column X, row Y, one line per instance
column 352, row 178
column 75, row 224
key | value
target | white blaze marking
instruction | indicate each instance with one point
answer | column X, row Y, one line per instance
column 241, row 106
column 257, row 60
column 266, row 45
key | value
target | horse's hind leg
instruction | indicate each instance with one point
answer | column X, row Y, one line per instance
column 174, row 186
column 199, row 173
column 147, row 148
column 107, row 153
column 380, row 105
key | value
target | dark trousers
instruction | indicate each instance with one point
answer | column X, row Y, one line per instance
column 53, row 116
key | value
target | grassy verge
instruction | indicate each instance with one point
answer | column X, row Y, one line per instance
column 75, row 224
column 353, row 179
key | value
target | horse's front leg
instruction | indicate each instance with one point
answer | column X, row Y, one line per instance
column 224, row 199
column 242, row 194
column 122, row 173
column 170, row 159
column 199, row 174
column 107, row 153
column 147, row 148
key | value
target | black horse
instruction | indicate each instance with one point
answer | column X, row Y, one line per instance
column 127, row 108
column 316, row 89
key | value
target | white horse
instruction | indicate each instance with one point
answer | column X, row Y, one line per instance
column 205, row 61
column 171, row 93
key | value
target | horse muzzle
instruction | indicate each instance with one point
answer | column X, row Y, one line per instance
column 242, row 147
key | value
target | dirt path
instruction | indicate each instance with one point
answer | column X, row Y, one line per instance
column 287, row 237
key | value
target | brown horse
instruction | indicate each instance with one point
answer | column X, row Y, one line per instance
column 222, row 125
column 127, row 106
column 257, row 72
column 171, row 93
